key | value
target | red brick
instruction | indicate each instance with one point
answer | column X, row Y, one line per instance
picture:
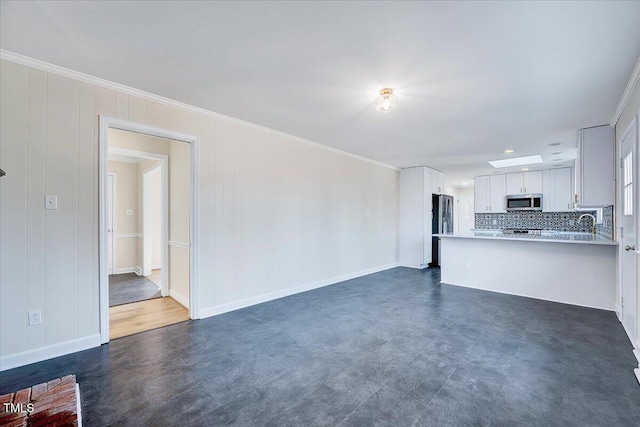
column 54, row 419
column 6, row 398
column 51, row 384
column 16, row 423
column 23, row 396
column 11, row 416
column 69, row 379
column 49, row 400
column 37, row 390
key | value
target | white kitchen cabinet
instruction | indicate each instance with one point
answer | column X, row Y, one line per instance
column 497, row 193
column 481, row 194
column 514, row 183
column 437, row 181
column 595, row 167
column 557, row 192
column 524, row 183
column 489, row 193
column 415, row 217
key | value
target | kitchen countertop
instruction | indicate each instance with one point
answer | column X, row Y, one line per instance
column 547, row 236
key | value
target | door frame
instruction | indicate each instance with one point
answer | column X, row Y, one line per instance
column 107, row 123
column 114, row 220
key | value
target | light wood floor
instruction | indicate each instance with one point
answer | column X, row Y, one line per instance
column 142, row 316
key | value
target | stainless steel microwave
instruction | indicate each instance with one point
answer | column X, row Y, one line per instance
column 524, row 202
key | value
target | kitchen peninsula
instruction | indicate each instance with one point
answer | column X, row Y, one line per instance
column 572, row 268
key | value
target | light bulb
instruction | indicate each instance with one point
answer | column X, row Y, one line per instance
column 387, row 101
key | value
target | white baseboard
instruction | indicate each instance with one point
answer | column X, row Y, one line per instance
column 156, row 267
column 236, row 305
column 528, row 296
column 637, row 372
column 124, row 270
column 48, row 352
column 422, row 266
column 179, row 298
column 636, row 352
column 618, row 312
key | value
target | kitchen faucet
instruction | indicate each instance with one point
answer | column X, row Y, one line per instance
column 593, row 228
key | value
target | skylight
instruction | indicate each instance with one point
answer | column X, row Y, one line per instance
column 516, row 161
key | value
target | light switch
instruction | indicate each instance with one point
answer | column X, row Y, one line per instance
column 129, row 212
column 50, row 202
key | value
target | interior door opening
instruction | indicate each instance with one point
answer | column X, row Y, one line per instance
column 147, row 280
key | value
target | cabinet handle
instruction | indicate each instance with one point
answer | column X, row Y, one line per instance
column 525, row 189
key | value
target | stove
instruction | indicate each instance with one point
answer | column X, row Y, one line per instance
column 533, row 232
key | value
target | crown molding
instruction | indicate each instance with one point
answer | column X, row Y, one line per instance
column 633, row 81
column 96, row 81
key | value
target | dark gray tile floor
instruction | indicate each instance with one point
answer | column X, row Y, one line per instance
column 395, row 348
column 128, row 288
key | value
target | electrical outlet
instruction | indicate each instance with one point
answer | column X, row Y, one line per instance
column 269, row 274
column 35, row 317
column 467, row 267
column 129, row 212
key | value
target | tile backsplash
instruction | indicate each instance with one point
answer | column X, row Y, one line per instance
column 606, row 228
column 558, row 221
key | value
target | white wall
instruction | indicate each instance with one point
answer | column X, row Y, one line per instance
column 268, row 202
column 137, row 142
column 466, row 212
column 126, row 226
column 179, row 227
column 156, row 218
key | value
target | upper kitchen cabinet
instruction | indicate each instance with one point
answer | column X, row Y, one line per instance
column 557, row 190
column 489, row 193
column 524, row 183
column 437, row 181
column 595, row 167
column 481, row 194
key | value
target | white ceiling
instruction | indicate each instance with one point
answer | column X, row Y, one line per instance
column 472, row 78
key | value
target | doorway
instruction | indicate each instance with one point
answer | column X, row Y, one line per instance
column 135, row 233
column 629, row 213
column 135, row 211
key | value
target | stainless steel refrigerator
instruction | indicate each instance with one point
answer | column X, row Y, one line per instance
column 441, row 223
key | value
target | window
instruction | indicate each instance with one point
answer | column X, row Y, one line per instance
column 627, row 179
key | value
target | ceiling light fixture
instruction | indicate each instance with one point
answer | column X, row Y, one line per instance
column 525, row 169
column 509, row 151
column 387, row 101
column 516, row 161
